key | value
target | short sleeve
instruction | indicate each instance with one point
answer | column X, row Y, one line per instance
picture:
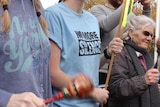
column 54, row 26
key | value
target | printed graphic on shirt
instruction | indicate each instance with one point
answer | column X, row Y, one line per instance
column 89, row 43
column 17, row 47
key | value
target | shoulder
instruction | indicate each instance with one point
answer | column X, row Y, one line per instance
column 89, row 15
column 90, row 18
column 53, row 9
column 97, row 8
column 57, row 8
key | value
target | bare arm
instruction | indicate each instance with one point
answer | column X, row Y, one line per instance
column 58, row 77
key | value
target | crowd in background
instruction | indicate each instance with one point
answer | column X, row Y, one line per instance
column 42, row 50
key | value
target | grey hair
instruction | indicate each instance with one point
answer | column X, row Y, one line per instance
column 136, row 22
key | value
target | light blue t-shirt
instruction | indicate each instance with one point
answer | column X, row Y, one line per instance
column 78, row 37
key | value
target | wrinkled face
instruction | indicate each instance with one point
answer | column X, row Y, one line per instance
column 116, row 3
column 142, row 37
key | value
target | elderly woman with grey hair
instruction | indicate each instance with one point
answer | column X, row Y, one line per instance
column 133, row 83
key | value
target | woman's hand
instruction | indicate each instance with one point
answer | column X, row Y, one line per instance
column 26, row 99
column 151, row 76
column 115, row 46
column 100, row 95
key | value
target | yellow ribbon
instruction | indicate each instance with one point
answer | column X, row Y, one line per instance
column 127, row 11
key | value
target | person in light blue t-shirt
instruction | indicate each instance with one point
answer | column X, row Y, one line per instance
column 76, row 48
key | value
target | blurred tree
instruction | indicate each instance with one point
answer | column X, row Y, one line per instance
column 89, row 3
column 153, row 16
column 154, row 7
column 137, row 9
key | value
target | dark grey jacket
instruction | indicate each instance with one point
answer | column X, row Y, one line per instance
column 127, row 86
